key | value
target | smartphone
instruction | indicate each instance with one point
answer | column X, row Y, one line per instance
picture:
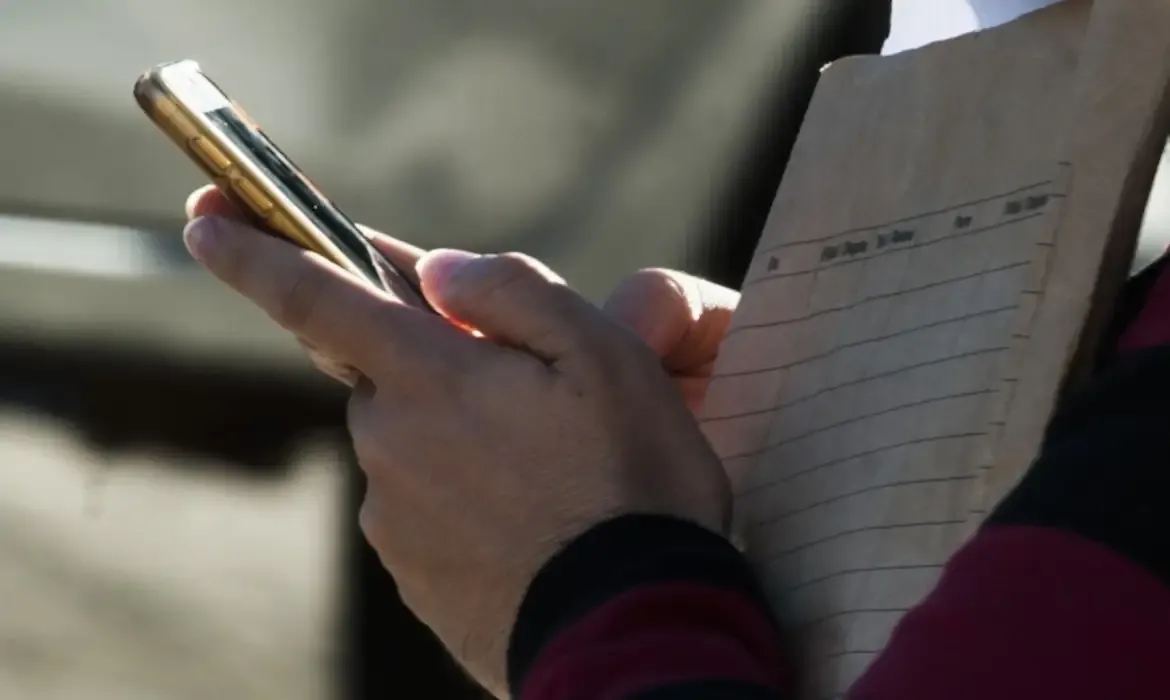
column 240, row 159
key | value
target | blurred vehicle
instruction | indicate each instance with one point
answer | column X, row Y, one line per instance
column 599, row 137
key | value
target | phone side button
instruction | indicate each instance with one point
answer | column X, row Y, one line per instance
column 252, row 195
column 211, row 155
column 281, row 224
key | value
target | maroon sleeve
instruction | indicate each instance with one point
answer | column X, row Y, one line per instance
column 646, row 607
column 1026, row 613
column 1065, row 591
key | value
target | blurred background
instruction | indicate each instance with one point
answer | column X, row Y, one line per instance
column 177, row 506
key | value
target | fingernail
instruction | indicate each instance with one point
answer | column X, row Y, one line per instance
column 193, row 199
column 440, row 265
column 200, row 237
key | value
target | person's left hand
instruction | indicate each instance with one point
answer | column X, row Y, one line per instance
column 485, row 455
column 682, row 318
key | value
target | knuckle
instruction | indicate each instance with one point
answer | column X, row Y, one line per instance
column 644, row 295
column 233, row 262
column 501, row 272
column 620, row 357
column 331, row 366
column 495, row 278
column 659, row 286
column 512, row 274
column 379, row 321
column 362, row 433
column 439, row 391
column 514, row 260
column 370, row 523
column 654, row 279
column 297, row 297
column 417, row 592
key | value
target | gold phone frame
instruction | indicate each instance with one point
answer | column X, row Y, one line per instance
column 179, row 98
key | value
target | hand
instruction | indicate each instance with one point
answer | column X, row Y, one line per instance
column 210, row 201
column 682, row 318
column 483, row 455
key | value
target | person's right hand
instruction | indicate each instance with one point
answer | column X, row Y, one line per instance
column 484, row 455
column 682, row 318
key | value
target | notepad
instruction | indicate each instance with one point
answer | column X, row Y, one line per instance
column 953, row 226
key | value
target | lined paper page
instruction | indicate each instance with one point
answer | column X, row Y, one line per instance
column 869, row 383
column 865, row 382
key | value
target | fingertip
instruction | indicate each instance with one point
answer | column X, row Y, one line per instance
column 210, row 201
column 192, row 203
column 217, row 241
column 404, row 255
column 201, row 236
column 655, row 288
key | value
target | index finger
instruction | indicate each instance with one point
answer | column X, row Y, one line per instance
column 404, row 255
column 311, row 297
column 210, row 201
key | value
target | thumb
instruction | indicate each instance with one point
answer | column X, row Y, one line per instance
column 403, row 255
column 510, row 298
column 681, row 317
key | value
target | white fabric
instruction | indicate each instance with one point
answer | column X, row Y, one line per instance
column 995, row 12
column 915, row 23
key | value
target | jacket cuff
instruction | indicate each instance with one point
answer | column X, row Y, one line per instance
column 614, row 558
